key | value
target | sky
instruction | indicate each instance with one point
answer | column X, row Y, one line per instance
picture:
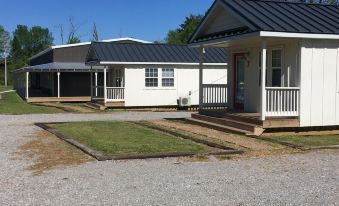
column 144, row 19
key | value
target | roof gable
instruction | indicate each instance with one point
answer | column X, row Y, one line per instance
column 273, row 16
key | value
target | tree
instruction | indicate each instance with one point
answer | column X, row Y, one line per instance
column 73, row 36
column 4, row 48
column 95, row 34
column 182, row 34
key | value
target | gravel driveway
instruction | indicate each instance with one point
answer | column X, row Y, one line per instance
column 300, row 179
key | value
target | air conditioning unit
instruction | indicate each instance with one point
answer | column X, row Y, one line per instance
column 184, row 101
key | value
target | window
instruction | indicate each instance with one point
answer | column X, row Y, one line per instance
column 151, row 77
column 276, row 68
column 167, row 77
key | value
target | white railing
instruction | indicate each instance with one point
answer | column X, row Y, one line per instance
column 282, row 101
column 115, row 94
column 98, row 92
column 214, row 95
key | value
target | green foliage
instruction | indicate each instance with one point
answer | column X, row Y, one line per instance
column 182, row 34
column 27, row 42
column 4, row 42
column 73, row 40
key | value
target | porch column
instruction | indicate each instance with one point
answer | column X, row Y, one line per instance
column 201, row 67
column 96, row 83
column 263, row 79
column 105, row 91
column 58, row 75
column 27, row 85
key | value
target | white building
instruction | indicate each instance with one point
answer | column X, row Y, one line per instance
column 283, row 64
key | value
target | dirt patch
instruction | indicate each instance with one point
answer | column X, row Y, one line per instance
column 239, row 140
column 48, row 152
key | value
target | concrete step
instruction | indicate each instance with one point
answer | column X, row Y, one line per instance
column 243, row 127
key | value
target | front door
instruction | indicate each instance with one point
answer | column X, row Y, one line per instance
column 239, row 81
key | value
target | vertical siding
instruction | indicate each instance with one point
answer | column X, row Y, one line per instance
column 319, row 68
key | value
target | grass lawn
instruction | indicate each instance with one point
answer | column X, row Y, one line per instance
column 125, row 138
column 3, row 88
column 310, row 140
column 13, row 104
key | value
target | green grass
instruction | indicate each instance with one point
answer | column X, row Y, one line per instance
column 124, row 138
column 3, row 88
column 13, row 104
column 310, row 140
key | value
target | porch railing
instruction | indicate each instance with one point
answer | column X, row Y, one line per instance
column 282, row 101
column 98, row 92
column 214, row 95
column 115, row 94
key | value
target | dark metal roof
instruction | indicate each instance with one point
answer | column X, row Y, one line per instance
column 280, row 16
column 125, row 52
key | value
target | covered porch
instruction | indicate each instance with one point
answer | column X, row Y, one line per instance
column 108, row 86
column 263, row 78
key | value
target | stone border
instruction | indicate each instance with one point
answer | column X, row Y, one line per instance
column 102, row 157
column 296, row 146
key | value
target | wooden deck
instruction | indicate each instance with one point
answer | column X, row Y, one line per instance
column 56, row 99
column 254, row 118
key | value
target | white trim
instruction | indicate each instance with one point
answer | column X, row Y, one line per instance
column 263, row 80
column 298, row 35
column 87, row 43
column 160, row 63
column 58, row 75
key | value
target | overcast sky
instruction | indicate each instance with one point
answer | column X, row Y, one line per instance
column 145, row 19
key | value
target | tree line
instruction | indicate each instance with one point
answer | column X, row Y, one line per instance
column 24, row 42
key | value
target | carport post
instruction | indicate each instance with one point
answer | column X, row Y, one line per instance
column 96, row 83
column 201, row 67
column 263, row 79
column 27, row 85
column 105, row 91
column 58, row 74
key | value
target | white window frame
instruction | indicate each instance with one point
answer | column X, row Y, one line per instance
column 269, row 66
column 151, row 77
column 167, row 77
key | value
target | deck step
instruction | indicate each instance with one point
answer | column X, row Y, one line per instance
column 231, row 124
column 94, row 105
column 218, row 126
column 233, row 116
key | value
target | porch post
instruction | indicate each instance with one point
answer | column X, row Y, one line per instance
column 201, row 67
column 263, row 79
column 96, row 83
column 58, row 75
column 27, row 85
column 105, row 92
column 91, row 81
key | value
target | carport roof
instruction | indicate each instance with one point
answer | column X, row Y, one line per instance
column 275, row 16
column 59, row 66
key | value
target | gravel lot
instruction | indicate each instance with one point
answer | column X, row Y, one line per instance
column 300, row 179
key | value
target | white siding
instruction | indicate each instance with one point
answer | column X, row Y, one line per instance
column 319, row 70
column 220, row 20
column 186, row 80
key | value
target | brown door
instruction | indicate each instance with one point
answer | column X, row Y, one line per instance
column 239, row 81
